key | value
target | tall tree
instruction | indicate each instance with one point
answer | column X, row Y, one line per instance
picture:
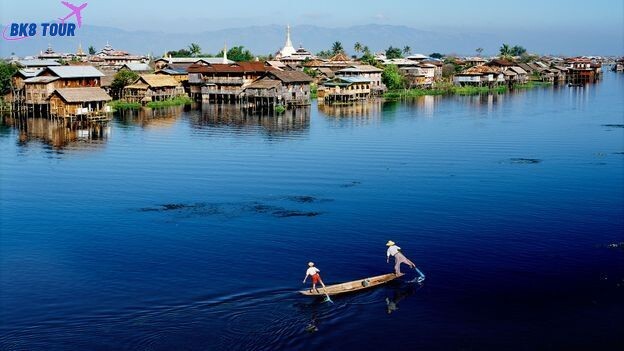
column 505, row 51
column 479, row 51
column 6, row 72
column 392, row 78
column 122, row 79
column 194, row 49
column 517, row 50
column 407, row 50
column 436, row 55
column 393, row 53
column 91, row 50
column 238, row 53
column 337, row 48
column 357, row 47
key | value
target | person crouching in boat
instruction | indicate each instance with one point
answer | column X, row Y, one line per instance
column 395, row 251
column 313, row 272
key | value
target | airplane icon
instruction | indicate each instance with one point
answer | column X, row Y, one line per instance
column 75, row 11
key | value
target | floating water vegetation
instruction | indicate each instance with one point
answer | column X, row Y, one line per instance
column 613, row 125
column 280, row 109
column 528, row 161
column 443, row 89
column 118, row 105
column 236, row 209
column 177, row 101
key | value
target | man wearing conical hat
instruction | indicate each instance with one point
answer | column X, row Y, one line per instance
column 313, row 273
column 395, row 251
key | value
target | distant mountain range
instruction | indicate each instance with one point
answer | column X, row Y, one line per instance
column 262, row 40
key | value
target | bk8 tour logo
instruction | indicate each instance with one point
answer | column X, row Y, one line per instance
column 19, row 31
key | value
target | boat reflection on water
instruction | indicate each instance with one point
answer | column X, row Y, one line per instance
column 58, row 133
column 291, row 122
column 150, row 118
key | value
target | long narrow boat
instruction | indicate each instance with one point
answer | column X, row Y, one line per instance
column 355, row 285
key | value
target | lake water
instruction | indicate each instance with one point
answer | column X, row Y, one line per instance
column 191, row 230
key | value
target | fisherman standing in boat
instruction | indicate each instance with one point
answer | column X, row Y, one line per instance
column 395, row 251
column 313, row 272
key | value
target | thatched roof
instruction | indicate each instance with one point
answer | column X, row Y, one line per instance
column 291, row 76
column 264, row 83
column 156, row 81
column 82, row 94
column 339, row 57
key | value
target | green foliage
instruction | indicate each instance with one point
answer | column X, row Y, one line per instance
column 337, row 48
column 194, row 49
column 310, row 72
column 393, row 53
column 177, row 101
column 91, row 50
column 392, row 78
column 324, row 54
column 407, row 50
column 507, row 52
column 518, row 50
column 238, row 53
column 118, row 105
column 313, row 91
column 442, row 89
column 7, row 70
column 178, row 53
column 436, row 55
column 479, row 51
column 123, row 78
column 358, row 47
column 368, row 59
column 280, row 109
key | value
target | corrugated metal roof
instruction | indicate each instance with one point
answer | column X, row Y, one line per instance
column 76, row 71
column 361, row 68
column 137, row 67
column 37, row 63
column 83, row 94
column 210, row 60
column 29, row 72
column 44, row 79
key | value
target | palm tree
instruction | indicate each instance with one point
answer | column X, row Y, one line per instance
column 366, row 50
column 337, row 48
column 479, row 51
column 357, row 47
column 505, row 50
column 407, row 50
column 194, row 49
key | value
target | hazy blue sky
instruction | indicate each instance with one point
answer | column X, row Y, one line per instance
column 191, row 15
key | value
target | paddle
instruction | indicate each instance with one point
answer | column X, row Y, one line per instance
column 422, row 275
column 327, row 298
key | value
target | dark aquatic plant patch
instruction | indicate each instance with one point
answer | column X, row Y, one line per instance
column 613, row 125
column 306, row 199
column 350, row 184
column 200, row 209
column 526, row 161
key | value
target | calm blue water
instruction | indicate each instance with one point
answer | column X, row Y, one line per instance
column 191, row 230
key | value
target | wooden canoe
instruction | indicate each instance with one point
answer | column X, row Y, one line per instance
column 355, row 285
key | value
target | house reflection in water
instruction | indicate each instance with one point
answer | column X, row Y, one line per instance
column 292, row 122
column 59, row 133
column 371, row 109
column 150, row 118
